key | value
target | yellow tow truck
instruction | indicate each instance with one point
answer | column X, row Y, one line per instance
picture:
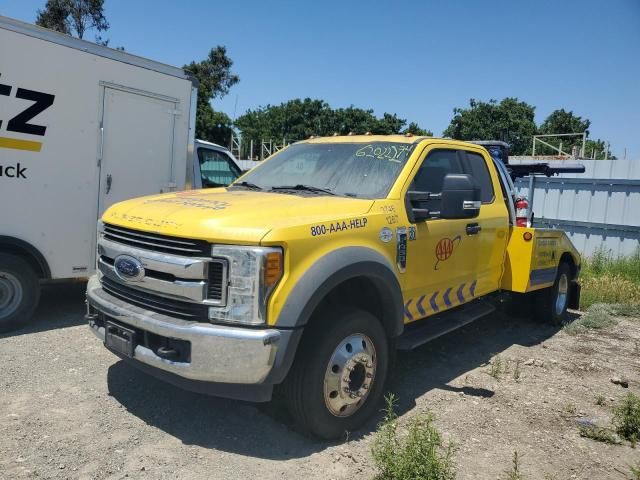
column 307, row 272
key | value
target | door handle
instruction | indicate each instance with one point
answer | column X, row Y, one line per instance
column 473, row 228
column 109, row 181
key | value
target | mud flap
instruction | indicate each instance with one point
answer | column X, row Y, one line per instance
column 574, row 296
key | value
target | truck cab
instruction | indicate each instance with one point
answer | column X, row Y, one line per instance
column 308, row 271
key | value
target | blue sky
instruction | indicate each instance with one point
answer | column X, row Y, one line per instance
column 419, row 59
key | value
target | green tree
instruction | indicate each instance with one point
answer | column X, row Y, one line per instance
column 597, row 149
column 215, row 79
column 562, row 122
column 292, row 120
column 74, row 17
column 301, row 118
column 415, row 129
column 510, row 120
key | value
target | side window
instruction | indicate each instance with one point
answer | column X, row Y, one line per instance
column 216, row 168
column 430, row 176
column 434, row 168
column 477, row 167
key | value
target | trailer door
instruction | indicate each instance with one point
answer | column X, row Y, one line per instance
column 137, row 144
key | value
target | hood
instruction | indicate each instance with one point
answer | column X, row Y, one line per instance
column 219, row 215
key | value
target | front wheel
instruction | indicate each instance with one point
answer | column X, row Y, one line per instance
column 551, row 303
column 19, row 292
column 338, row 377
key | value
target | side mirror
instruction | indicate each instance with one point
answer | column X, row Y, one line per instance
column 460, row 197
column 415, row 202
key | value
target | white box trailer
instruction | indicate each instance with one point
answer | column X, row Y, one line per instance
column 81, row 127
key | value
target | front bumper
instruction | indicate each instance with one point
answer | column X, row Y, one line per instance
column 218, row 354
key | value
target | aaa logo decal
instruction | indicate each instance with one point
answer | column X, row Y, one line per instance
column 445, row 248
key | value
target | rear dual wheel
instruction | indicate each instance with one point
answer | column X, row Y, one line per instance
column 338, row 378
column 551, row 303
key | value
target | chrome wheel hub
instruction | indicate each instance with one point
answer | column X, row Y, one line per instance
column 350, row 374
column 563, row 294
column 10, row 294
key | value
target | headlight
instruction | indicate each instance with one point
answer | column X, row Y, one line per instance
column 253, row 274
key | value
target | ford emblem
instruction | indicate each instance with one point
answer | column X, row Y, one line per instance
column 128, row 268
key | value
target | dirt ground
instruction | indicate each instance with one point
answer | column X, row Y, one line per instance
column 71, row 409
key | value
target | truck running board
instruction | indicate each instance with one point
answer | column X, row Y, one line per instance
column 426, row 330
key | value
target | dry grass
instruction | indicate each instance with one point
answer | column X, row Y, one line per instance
column 607, row 288
column 609, row 279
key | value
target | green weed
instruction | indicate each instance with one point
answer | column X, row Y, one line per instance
column 417, row 453
column 598, row 434
column 497, row 367
column 598, row 316
column 514, row 472
column 516, row 371
column 626, row 418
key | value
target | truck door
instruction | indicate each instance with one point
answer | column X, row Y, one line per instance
column 493, row 221
column 451, row 262
column 136, row 145
column 440, row 265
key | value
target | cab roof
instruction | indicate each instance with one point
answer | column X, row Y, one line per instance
column 412, row 139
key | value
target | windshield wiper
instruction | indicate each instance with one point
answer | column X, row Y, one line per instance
column 249, row 185
column 306, row 188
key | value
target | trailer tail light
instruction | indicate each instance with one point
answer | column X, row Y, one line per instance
column 522, row 212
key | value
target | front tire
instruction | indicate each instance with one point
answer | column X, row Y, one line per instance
column 551, row 303
column 19, row 292
column 337, row 380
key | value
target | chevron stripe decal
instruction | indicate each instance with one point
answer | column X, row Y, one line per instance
column 419, row 306
column 459, row 293
column 432, row 302
column 446, row 299
column 424, row 308
column 472, row 288
column 407, row 312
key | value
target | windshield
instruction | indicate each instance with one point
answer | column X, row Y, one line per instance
column 350, row 169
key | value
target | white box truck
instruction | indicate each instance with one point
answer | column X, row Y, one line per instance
column 82, row 127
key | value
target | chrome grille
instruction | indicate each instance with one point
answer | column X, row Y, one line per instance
column 157, row 243
column 156, row 303
column 176, row 269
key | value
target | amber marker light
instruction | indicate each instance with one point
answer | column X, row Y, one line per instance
column 273, row 269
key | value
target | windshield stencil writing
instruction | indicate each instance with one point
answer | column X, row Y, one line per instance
column 392, row 153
